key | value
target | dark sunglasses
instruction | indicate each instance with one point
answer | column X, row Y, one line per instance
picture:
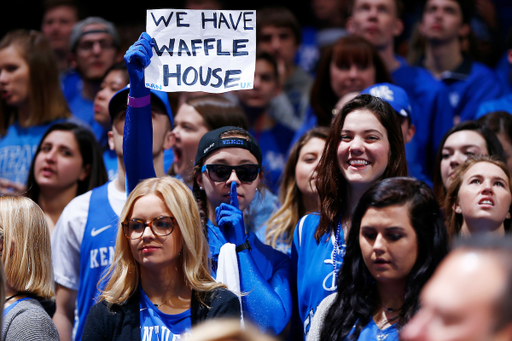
column 221, row 173
column 160, row 226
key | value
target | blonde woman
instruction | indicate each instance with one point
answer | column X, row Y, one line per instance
column 298, row 194
column 159, row 283
column 26, row 257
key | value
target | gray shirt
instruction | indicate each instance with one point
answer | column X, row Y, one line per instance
column 28, row 321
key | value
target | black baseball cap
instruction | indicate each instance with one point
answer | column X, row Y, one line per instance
column 212, row 141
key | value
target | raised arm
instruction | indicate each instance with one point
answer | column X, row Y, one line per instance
column 138, row 125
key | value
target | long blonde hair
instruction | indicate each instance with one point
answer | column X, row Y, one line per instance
column 26, row 254
column 124, row 272
column 281, row 224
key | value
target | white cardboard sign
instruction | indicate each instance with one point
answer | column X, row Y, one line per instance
column 201, row 50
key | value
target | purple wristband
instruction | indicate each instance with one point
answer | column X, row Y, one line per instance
column 139, row 102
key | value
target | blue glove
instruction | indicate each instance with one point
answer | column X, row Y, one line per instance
column 137, row 58
column 231, row 220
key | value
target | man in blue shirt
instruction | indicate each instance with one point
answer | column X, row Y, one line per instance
column 94, row 44
column 379, row 22
column 443, row 25
column 503, row 103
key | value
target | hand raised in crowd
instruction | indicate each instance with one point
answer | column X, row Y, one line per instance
column 231, row 219
column 137, row 58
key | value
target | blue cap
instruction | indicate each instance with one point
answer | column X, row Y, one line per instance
column 394, row 95
column 120, row 100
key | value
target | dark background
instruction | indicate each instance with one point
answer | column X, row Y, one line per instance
column 28, row 14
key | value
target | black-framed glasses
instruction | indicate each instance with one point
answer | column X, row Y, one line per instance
column 88, row 45
column 160, row 226
column 221, row 173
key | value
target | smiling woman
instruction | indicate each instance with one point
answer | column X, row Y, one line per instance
column 396, row 241
column 364, row 145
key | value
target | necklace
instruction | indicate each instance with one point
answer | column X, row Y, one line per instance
column 337, row 254
column 390, row 310
column 161, row 304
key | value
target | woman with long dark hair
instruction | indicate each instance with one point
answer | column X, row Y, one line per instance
column 68, row 162
column 396, row 241
column 464, row 140
column 364, row 145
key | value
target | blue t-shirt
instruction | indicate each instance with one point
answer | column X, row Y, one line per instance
column 502, row 71
column 110, row 161
column 432, row 115
column 313, row 269
column 83, row 109
column 156, row 326
column 501, row 104
column 17, row 149
column 71, row 83
column 470, row 85
column 274, row 144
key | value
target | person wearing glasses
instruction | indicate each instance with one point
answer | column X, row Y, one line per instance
column 159, row 284
column 224, row 188
column 95, row 48
column 84, row 237
column 228, row 171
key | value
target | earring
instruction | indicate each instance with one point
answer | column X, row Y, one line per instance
column 200, row 188
column 458, row 210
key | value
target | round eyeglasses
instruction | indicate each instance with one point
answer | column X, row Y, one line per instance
column 160, row 226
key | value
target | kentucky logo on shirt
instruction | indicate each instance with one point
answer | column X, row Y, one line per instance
column 157, row 326
column 161, row 334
